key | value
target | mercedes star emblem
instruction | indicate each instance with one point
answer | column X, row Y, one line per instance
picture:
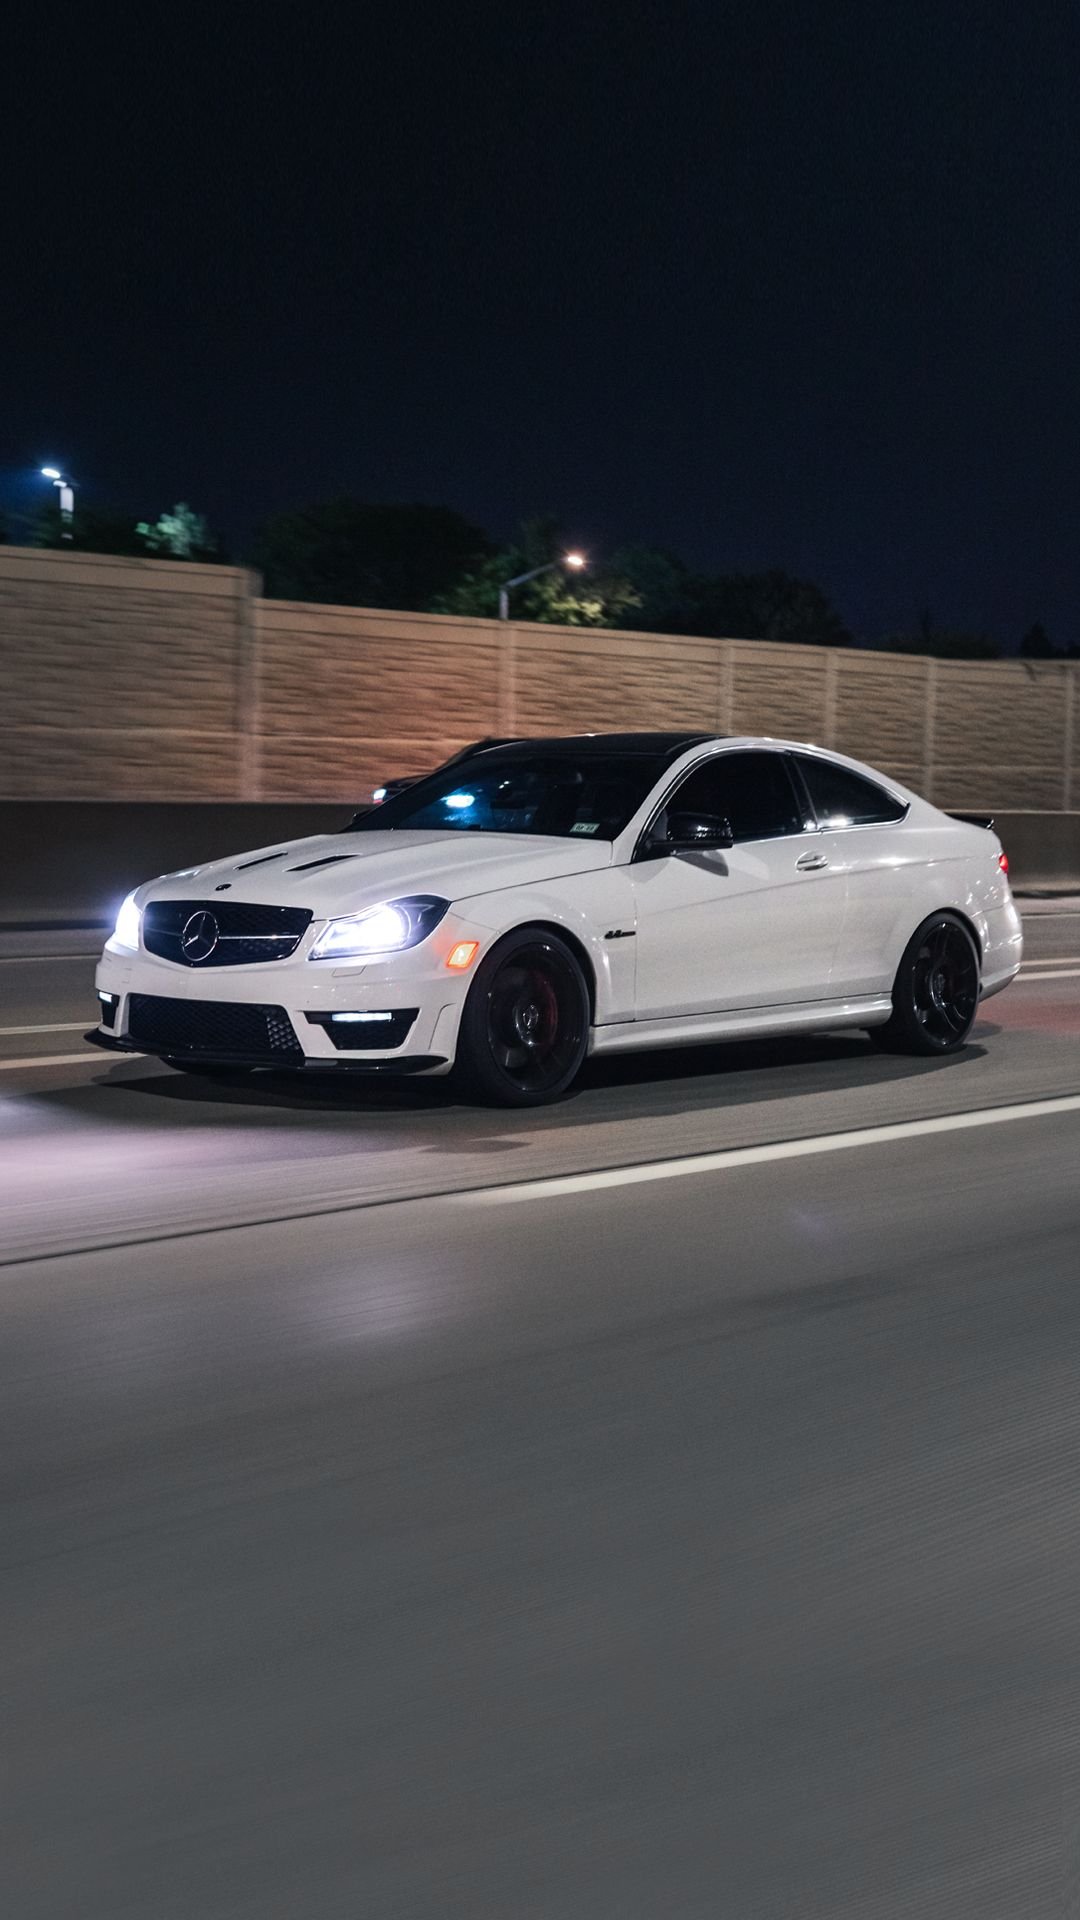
column 199, row 936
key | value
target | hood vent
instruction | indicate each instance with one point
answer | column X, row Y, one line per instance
column 329, row 860
column 243, row 865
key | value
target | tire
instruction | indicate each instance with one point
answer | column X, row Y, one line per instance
column 936, row 992
column 525, row 1028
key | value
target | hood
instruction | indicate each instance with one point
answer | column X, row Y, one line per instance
column 336, row 873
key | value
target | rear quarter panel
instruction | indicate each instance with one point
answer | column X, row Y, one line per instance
column 897, row 876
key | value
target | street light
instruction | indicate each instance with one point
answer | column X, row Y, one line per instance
column 575, row 561
column 66, row 491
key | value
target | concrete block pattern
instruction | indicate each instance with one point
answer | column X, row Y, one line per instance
column 156, row 680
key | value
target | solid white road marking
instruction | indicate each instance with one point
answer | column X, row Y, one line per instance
column 730, row 1157
column 86, row 1059
column 1059, row 973
column 57, row 1026
column 38, row 959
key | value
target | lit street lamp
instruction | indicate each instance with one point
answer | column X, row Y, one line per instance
column 66, row 491
column 575, row 561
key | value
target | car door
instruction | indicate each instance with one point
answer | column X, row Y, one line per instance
column 877, row 857
column 753, row 925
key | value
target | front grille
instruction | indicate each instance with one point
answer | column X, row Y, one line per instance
column 220, row 933
column 216, row 1029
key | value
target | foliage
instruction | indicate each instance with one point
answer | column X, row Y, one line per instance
column 183, row 534
column 765, row 606
column 92, row 530
column 1037, row 645
column 352, row 554
column 945, row 644
column 558, row 596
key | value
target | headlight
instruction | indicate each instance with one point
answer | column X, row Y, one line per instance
column 128, row 922
column 386, row 929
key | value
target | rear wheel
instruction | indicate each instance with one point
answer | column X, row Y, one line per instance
column 525, row 1028
column 936, row 991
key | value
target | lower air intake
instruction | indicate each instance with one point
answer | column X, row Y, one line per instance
column 214, row 1030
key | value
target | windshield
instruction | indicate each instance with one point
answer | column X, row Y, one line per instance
column 591, row 797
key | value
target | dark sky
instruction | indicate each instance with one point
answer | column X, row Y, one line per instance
column 769, row 284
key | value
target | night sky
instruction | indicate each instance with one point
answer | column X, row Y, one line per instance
column 768, row 284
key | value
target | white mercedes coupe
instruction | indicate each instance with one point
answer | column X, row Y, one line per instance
column 537, row 901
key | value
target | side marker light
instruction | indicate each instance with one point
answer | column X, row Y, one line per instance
column 463, row 955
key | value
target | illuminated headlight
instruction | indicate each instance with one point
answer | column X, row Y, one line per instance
column 389, row 928
column 128, row 922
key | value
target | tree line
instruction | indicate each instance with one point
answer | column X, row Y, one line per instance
column 422, row 558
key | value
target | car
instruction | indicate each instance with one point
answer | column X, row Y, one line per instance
column 544, row 900
column 390, row 789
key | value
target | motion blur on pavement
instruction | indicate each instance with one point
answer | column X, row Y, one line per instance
column 432, row 1510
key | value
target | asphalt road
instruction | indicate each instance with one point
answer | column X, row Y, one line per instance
column 414, row 1511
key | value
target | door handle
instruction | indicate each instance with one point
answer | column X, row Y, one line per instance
column 810, row 863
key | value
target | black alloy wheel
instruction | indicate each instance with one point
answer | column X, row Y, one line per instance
column 525, row 1028
column 936, row 993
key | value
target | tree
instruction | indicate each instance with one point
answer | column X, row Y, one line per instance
column 945, row 644
column 353, row 554
column 765, row 606
column 92, row 530
column 591, row 599
column 182, row 534
column 1035, row 644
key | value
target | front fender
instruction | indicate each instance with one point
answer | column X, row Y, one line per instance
column 590, row 908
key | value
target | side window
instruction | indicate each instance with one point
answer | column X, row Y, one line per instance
column 753, row 790
column 844, row 799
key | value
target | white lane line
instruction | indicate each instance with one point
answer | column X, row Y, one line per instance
column 57, row 1026
column 38, row 959
column 730, row 1157
column 85, row 1059
column 1059, row 973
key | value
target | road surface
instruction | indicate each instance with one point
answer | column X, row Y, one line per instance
column 662, row 1505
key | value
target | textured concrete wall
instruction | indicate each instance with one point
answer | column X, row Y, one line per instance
column 153, row 680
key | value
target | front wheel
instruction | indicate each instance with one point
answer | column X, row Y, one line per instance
column 936, row 991
column 525, row 1028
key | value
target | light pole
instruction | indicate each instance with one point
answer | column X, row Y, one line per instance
column 66, row 490
column 575, row 561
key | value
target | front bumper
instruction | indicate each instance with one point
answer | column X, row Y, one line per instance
column 387, row 1063
column 304, row 996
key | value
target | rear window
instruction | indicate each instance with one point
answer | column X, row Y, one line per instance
column 844, row 799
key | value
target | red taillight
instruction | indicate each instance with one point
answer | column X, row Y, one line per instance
column 1003, row 862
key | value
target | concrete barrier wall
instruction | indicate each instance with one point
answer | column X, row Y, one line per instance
column 64, row 862
column 157, row 680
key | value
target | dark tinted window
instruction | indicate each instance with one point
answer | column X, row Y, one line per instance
column 752, row 790
column 591, row 797
column 844, row 799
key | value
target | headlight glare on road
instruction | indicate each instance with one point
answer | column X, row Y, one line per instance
column 388, row 928
column 128, row 922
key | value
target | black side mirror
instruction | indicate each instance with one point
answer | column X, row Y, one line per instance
column 696, row 833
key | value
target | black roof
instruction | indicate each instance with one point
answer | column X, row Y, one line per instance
column 655, row 746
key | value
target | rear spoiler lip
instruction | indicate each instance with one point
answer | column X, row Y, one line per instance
column 975, row 819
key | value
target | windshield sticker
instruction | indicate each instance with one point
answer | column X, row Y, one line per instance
column 585, row 826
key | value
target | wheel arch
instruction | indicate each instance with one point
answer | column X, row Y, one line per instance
column 577, row 947
column 965, row 921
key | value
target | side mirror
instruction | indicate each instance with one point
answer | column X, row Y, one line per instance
column 696, row 833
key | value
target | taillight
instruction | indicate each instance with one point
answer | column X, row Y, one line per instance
column 1003, row 862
